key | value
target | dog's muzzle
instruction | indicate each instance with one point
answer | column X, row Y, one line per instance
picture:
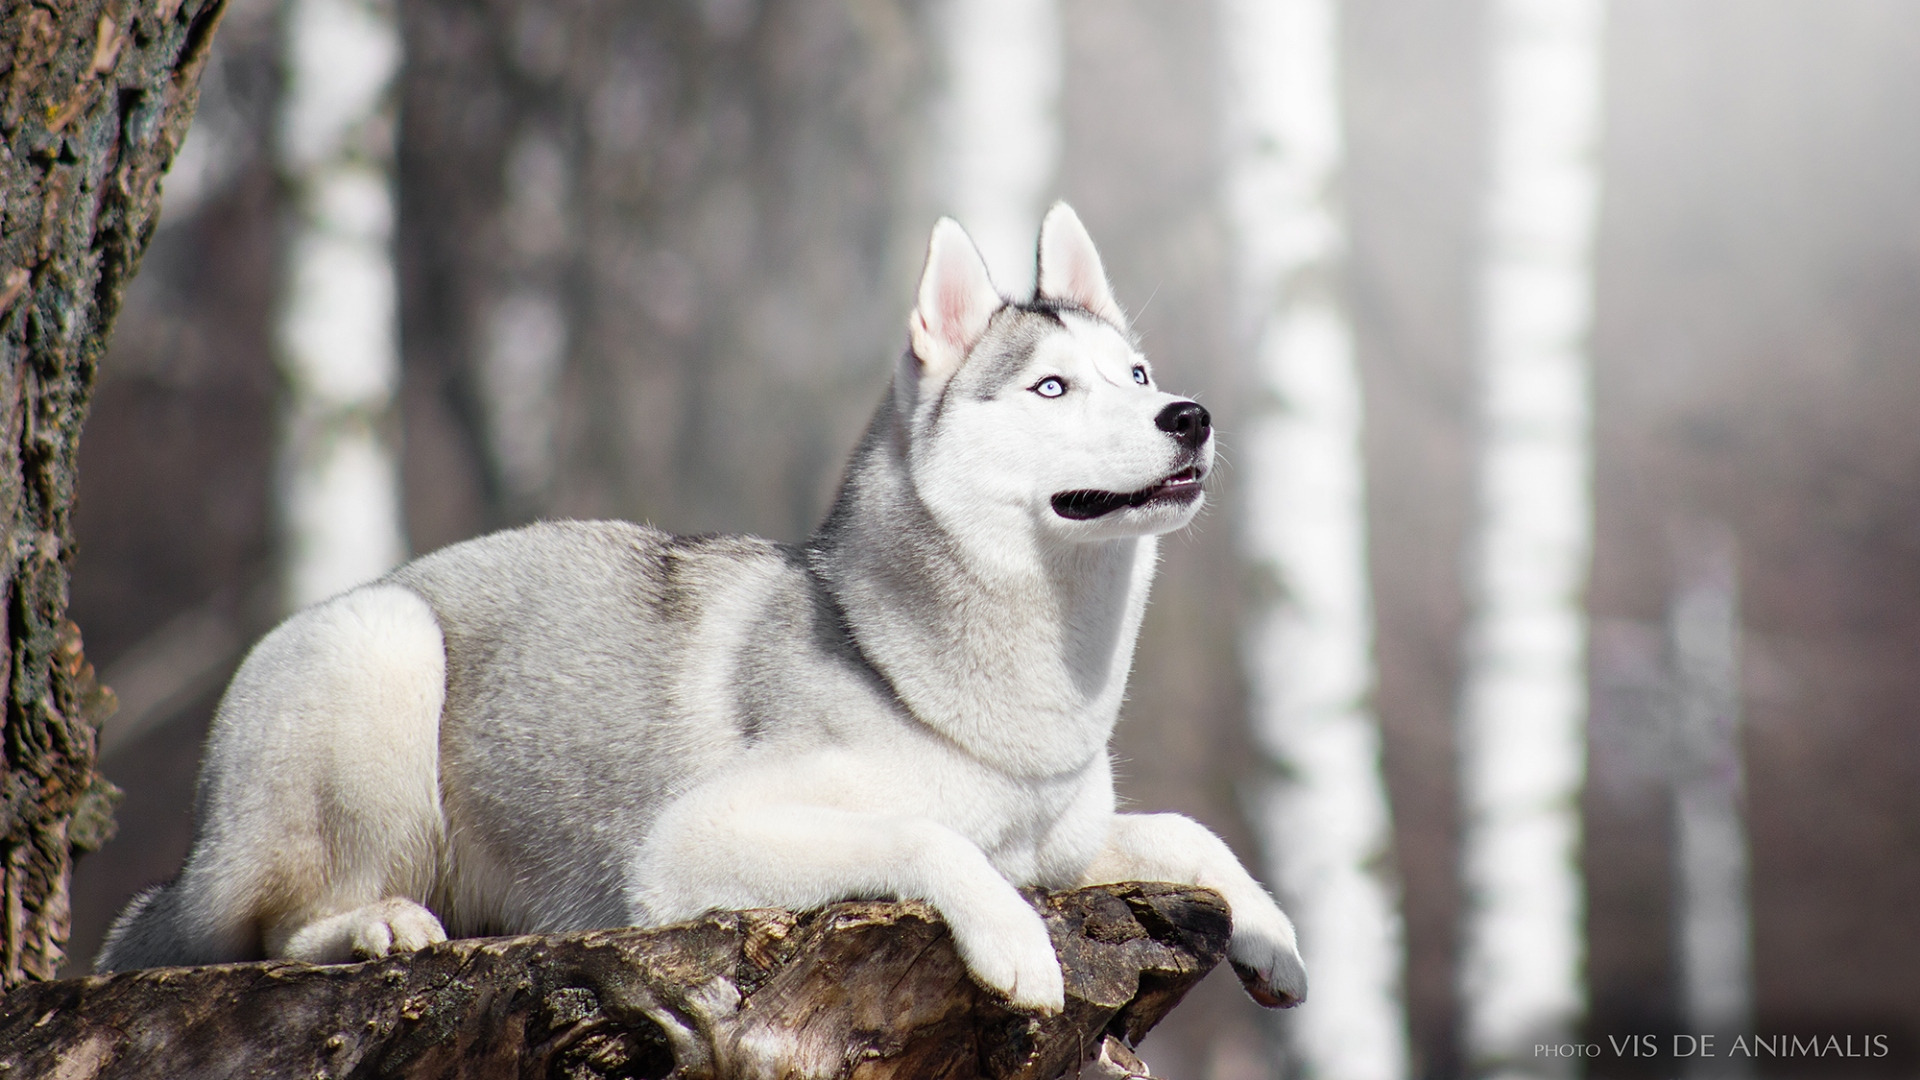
column 1191, row 426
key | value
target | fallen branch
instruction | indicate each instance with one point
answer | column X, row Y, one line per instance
column 868, row 990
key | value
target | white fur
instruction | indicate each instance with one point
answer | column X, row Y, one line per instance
column 589, row 724
column 319, row 806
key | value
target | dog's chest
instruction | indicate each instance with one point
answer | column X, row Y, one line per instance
column 1036, row 831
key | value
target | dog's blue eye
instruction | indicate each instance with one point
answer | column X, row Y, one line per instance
column 1140, row 374
column 1051, row 386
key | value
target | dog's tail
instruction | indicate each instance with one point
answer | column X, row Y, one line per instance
column 148, row 933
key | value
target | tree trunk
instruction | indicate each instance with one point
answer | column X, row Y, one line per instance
column 1322, row 806
column 997, row 159
column 336, row 332
column 96, row 98
column 864, row 989
column 654, row 258
column 1712, row 913
column 1523, row 700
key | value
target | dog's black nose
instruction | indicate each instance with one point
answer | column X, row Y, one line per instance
column 1187, row 421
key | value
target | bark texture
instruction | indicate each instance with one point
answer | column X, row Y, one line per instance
column 867, row 990
column 95, row 95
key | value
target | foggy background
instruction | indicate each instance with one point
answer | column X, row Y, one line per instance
column 709, row 217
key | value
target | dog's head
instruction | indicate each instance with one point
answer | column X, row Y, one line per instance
column 1042, row 411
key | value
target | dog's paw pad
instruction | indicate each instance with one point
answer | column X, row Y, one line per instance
column 1269, row 992
column 1269, row 966
column 1275, row 976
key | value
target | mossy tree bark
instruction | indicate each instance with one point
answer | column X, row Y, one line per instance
column 95, row 96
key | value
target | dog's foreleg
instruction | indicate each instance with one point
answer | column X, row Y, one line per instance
column 1169, row 847
column 705, row 855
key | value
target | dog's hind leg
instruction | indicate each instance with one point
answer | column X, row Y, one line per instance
column 321, row 833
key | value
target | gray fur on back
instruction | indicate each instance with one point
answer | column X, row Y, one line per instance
column 594, row 671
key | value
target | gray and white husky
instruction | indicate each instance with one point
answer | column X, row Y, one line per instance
column 592, row 724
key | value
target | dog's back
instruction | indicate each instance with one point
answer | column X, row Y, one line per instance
column 526, row 700
column 592, row 672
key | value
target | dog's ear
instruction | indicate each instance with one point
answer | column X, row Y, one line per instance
column 956, row 300
column 1070, row 269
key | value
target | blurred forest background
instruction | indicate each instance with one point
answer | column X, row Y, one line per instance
column 709, row 217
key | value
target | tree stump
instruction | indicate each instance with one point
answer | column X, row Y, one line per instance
column 863, row 990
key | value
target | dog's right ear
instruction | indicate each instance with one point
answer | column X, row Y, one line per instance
column 956, row 300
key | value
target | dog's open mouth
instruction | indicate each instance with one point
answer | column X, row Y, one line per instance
column 1181, row 487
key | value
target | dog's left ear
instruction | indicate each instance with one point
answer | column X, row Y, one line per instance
column 1070, row 269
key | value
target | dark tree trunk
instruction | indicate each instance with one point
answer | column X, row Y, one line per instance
column 96, row 96
column 866, row 990
column 655, row 258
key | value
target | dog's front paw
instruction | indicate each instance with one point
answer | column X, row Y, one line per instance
column 1268, row 962
column 1008, row 951
column 392, row 926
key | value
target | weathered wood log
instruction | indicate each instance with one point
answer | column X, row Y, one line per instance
column 862, row 990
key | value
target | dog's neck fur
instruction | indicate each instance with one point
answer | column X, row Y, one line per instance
column 1025, row 664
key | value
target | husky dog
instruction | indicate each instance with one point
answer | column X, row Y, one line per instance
column 592, row 724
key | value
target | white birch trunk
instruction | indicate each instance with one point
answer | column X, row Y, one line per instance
column 1712, row 921
column 999, row 124
column 1323, row 818
column 1523, row 709
column 336, row 332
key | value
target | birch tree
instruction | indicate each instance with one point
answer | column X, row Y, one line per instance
column 1523, row 706
column 1323, row 815
column 1712, row 919
column 999, row 127
column 650, row 256
column 337, row 326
